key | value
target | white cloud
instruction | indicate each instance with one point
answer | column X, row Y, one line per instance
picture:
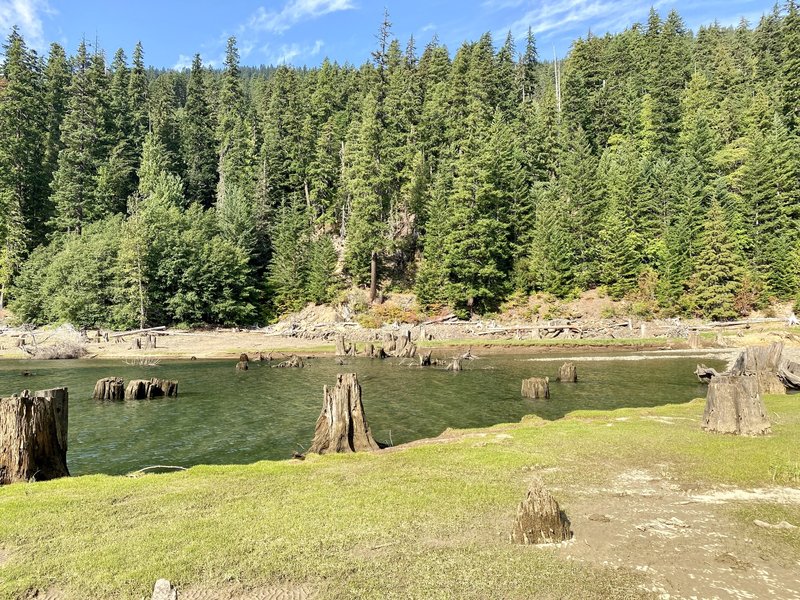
column 293, row 12
column 287, row 53
column 184, row 62
column 27, row 15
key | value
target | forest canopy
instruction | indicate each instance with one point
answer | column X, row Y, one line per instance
column 660, row 164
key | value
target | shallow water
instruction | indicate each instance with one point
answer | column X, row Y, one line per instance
column 222, row 416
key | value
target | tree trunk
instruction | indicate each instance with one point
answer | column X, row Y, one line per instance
column 342, row 425
column 343, row 348
column 539, row 519
column 734, row 405
column 373, row 276
column 536, row 387
column 33, row 436
column 110, row 388
column 568, row 373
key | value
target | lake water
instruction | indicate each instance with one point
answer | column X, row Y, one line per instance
column 225, row 417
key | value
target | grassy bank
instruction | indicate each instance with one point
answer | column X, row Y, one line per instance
column 428, row 520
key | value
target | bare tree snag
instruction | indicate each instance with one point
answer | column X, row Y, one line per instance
column 734, row 405
column 425, row 359
column 536, row 387
column 568, row 373
column 342, row 425
column 110, row 388
column 33, row 436
column 539, row 518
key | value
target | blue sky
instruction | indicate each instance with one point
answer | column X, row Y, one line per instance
column 303, row 32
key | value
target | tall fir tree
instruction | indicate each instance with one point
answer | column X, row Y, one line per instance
column 197, row 139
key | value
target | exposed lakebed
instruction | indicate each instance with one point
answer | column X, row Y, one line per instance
column 222, row 416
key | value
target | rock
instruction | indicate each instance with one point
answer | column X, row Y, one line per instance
column 163, row 590
column 539, row 518
column 600, row 518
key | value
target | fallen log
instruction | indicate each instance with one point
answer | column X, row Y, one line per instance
column 536, row 387
column 734, row 405
column 33, row 436
column 342, row 425
column 138, row 331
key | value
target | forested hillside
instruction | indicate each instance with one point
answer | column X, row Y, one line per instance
column 659, row 163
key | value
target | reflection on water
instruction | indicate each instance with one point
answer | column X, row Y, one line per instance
column 223, row 416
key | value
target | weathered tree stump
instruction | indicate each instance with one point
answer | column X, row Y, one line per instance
column 425, row 359
column 382, row 354
column 455, row 365
column 110, row 388
column 369, row 350
column 343, row 348
column 539, row 518
column 770, row 383
column 143, row 389
column 759, row 358
column 536, row 387
column 389, row 342
column 409, row 350
column 33, row 436
column 342, row 425
column 242, row 365
column 734, row 405
column 568, row 373
column 694, row 340
column 244, row 358
column 403, row 340
column 293, row 362
column 789, row 374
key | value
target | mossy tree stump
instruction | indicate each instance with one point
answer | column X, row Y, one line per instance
column 568, row 373
column 540, row 519
column 734, row 405
column 342, row 425
column 110, row 388
column 33, row 436
column 536, row 387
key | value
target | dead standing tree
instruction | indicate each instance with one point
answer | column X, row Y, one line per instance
column 342, row 425
column 33, row 436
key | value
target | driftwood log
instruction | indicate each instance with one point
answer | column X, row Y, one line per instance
column 110, row 388
column 33, row 436
column 734, row 405
column 568, row 373
column 539, row 519
column 536, row 387
column 342, row 425
column 144, row 389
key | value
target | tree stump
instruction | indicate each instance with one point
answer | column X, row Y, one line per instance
column 382, row 354
column 694, row 340
column 293, row 362
column 455, row 365
column 734, row 405
column 425, row 359
column 110, row 388
column 403, row 340
column 759, row 358
column 242, row 365
column 389, row 342
column 369, row 350
column 536, row 387
column 143, row 389
column 539, row 518
column 568, row 373
column 770, row 383
column 33, row 436
column 164, row 590
column 343, row 348
column 244, row 358
column 342, row 425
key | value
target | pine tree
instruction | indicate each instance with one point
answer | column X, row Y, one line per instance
column 321, row 280
column 288, row 269
column 552, row 258
column 56, row 82
column 527, row 68
column 718, row 275
column 137, row 100
column 790, row 66
column 197, row 137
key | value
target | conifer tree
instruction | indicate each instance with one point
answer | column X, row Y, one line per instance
column 137, row 100
column 289, row 267
column 56, row 82
column 790, row 66
column 197, row 139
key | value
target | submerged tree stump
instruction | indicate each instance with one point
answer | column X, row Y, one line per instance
column 33, row 436
column 342, row 425
column 536, row 387
column 568, row 373
column 539, row 518
column 110, row 388
column 425, row 359
column 343, row 348
column 293, row 362
column 143, row 389
column 734, row 405
column 242, row 365
column 455, row 365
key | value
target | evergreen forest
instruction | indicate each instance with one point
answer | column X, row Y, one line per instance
column 659, row 164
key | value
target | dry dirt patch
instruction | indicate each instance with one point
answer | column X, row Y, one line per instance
column 681, row 541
